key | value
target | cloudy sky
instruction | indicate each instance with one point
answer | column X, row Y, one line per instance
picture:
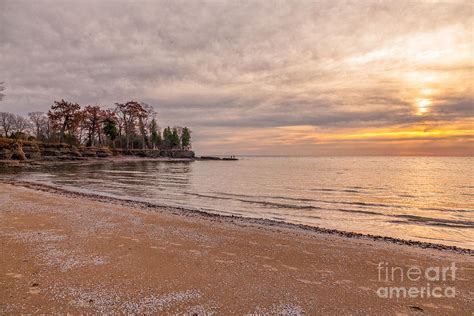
column 257, row 77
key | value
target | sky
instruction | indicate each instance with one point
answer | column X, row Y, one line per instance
column 257, row 77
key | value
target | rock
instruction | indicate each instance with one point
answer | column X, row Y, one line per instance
column 209, row 158
column 155, row 153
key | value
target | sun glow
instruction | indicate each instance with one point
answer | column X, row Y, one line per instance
column 422, row 105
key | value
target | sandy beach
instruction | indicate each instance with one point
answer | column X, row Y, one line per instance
column 65, row 253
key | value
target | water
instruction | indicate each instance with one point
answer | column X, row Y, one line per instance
column 419, row 198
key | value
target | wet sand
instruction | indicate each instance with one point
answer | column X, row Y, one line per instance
column 65, row 253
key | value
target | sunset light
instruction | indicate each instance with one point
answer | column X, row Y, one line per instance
column 422, row 105
column 236, row 157
column 282, row 78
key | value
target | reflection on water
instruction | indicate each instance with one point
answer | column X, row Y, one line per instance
column 419, row 198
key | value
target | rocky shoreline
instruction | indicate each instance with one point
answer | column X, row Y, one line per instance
column 18, row 153
column 238, row 219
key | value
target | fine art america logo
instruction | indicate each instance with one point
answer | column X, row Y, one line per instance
column 424, row 282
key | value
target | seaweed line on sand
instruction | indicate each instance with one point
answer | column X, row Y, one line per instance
column 234, row 218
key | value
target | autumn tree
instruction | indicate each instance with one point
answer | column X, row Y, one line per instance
column 140, row 114
column 127, row 121
column 92, row 117
column 66, row 117
column 133, row 115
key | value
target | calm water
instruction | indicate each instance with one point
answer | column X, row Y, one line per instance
column 420, row 198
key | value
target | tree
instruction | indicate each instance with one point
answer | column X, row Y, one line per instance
column 186, row 138
column 140, row 114
column 175, row 141
column 20, row 125
column 167, row 138
column 132, row 115
column 92, row 117
column 40, row 124
column 7, row 120
column 65, row 116
column 110, row 126
column 155, row 134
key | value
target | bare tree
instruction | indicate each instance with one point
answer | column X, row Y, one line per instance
column 7, row 120
column 20, row 125
column 40, row 123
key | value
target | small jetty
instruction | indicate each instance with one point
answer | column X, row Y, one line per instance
column 229, row 158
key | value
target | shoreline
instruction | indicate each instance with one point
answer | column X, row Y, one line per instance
column 33, row 163
column 72, row 253
column 243, row 220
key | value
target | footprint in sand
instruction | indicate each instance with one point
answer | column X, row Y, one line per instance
column 269, row 267
column 308, row 281
column 290, row 267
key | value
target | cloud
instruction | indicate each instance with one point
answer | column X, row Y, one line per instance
column 231, row 65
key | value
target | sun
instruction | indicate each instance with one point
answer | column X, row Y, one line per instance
column 422, row 105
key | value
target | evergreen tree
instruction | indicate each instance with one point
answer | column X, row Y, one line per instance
column 110, row 129
column 186, row 138
column 175, row 142
column 167, row 138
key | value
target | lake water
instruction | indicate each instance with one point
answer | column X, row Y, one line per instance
column 420, row 198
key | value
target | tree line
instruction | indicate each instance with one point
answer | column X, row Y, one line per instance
column 130, row 125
